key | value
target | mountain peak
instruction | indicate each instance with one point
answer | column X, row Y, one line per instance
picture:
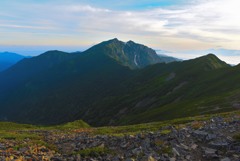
column 112, row 40
column 115, row 39
column 53, row 53
column 10, row 53
column 211, row 61
column 128, row 54
column 131, row 42
column 211, row 55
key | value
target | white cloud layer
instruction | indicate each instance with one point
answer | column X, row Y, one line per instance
column 199, row 24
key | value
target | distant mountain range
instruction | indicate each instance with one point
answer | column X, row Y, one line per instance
column 168, row 59
column 219, row 51
column 115, row 83
column 228, row 55
column 8, row 59
column 144, row 56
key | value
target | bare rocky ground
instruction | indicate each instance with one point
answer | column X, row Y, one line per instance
column 213, row 139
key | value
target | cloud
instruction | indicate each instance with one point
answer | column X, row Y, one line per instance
column 229, row 56
column 195, row 24
column 206, row 21
column 26, row 27
column 202, row 20
column 83, row 8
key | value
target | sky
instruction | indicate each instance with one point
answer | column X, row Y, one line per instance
column 184, row 28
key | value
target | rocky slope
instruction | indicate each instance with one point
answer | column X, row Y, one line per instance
column 129, row 53
column 216, row 138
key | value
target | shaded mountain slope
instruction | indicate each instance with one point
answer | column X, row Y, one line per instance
column 60, row 91
column 169, row 88
column 29, row 68
column 99, row 88
column 8, row 59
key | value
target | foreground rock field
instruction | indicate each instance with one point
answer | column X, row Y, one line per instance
column 217, row 138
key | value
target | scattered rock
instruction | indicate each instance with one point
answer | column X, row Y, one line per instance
column 172, row 159
column 150, row 158
column 194, row 146
column 225, row 159
column 219, row 144
column 175, row 152
column 210, row 153
column 212, row 140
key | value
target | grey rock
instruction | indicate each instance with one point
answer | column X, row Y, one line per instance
column 210, row 153
column 225, row 159
column 188, row 157
column 78, row 157
column 194, row 146
column 200, row 133
column 184, row 146
column 172, row 159
column 175, row 152
column 217, row 119
column 211, row 137
column 137, row 151
column 2, row 147
column 219, row 144
column 146, row 143
column 150, row 158
column 124, row 145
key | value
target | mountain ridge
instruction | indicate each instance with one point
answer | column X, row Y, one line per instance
column 101, row 90
column 7, row 59
column 128, row 54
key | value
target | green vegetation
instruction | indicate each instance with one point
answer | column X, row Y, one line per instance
column 154, row 126
column 8, row 131
column 15, row 126
column 23, row 132
column 237, row 137
column 71, row 125
column 13, row 135
column 166, row 150
column 25, row 136
column 94, row 152
column 97, row 86
column 165, row 132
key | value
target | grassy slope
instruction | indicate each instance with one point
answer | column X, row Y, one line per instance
column 152, row 97
column 9, row 130
column 60, row 93
column 20, row 132
column 92, row 90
